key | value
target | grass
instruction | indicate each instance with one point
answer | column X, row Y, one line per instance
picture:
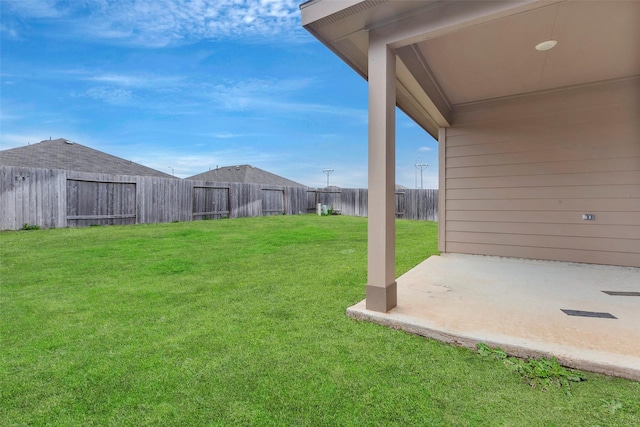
column 242, row 322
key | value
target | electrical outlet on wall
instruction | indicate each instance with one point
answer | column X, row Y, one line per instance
column 588, row 217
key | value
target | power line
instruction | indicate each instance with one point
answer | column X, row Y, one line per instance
column 328, row 172
column 421, row 166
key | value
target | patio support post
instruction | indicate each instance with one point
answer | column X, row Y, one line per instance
column 381, row 284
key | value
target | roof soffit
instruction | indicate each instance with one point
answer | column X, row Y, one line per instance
column 434, row 19
column 457, row 52
column 597, row 41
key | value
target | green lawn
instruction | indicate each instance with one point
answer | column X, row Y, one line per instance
column 242, row 322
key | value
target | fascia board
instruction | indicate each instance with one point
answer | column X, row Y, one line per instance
column 315, row 10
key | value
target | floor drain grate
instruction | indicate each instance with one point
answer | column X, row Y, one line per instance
column 622, row 293
column 589, row 314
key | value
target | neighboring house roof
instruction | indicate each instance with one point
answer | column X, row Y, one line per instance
column 64, row 154
column 246, row 174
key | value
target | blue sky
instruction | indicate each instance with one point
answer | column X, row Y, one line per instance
column 187, row 85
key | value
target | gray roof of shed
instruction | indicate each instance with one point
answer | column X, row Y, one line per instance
column 63, row 154
column 246, row 174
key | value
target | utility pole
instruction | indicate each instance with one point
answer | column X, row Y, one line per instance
column 421, row 166
column 328, row 172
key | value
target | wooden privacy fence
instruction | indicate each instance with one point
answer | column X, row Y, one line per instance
column 58, row 198
column 410, row 203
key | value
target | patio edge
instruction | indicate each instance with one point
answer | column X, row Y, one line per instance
column 448, row 337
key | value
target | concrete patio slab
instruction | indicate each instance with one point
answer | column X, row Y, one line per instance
column 517, row 305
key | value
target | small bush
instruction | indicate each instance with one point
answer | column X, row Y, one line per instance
column 30, row 227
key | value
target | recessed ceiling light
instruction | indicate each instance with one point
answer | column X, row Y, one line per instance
column 546, row 45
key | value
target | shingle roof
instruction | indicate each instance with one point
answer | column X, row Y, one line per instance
column 244, row 173
column 67, row 155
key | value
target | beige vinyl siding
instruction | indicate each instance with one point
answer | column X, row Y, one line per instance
column 520, row 173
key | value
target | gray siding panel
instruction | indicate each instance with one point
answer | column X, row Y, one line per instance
column 521, row 172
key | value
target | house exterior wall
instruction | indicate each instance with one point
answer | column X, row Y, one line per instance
column 519, row 174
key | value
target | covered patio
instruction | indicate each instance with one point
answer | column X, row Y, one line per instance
column 535, row 105
column 517, row 305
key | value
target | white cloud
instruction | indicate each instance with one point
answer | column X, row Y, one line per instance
column 32, row 8
column 115, row 96
column 354, row 113
column 134, row 80
column 226, row 135
column 191, row 164
column 423, row 149
column 157, row 23
column 5, row 117
column 261, row 94
column 247, row 92
column 254, row 94
column 274, row 95
column 241, row 95
column 9, row 31
column 230, row 135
